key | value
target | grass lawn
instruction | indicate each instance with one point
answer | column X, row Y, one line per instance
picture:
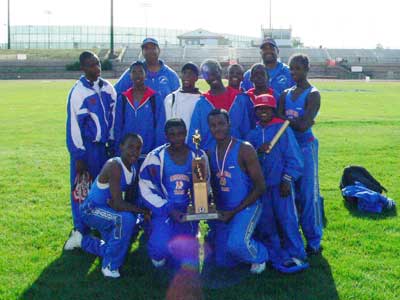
column 359, row 123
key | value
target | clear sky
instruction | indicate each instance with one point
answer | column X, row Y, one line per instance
column 334, row 24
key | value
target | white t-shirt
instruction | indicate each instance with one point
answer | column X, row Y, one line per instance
column 180, row 107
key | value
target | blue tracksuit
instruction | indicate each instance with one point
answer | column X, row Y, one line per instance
column 164, row 82
column 115, row 227
column 145, row 117
column 280, row 79
column 233, row 240
column 284, row 162
column 164, row 186
column 368, row 200
column 240, row 123
column 90, row 123
column 307, row 187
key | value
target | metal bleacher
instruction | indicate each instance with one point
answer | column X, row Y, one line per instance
column 132, row 53
column 172, row 54
column 199, row 54
column 378, row 63
column 247, row 56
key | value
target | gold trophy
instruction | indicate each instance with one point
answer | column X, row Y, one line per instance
column 199, row 207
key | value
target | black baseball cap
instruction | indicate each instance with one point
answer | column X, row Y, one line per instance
column 270, row 41
column 149, row 40
column 191, row 66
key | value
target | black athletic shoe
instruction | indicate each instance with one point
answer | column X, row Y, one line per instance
column 312, row 251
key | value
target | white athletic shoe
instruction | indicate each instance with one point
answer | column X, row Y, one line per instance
column 159, row 263
column 390, row 203
column 110, row 273
column 257, row 268
column 74, row 241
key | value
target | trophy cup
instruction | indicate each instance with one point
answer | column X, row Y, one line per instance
column 199, row 207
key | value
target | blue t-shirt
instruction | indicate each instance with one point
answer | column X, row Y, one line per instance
column 295, row 109
column 233, row 185
column 100, row 193
column 177, row 180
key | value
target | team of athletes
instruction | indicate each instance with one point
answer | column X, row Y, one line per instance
column 134, row 141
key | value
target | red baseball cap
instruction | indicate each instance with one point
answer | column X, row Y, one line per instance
column 265, row 100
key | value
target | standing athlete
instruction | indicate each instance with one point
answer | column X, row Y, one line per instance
column 278, row 73
column 106, row 211
column 140, row 110
column 235, row 76
column 259, row 78
column 181, row 103
column 90, row 121
column 238, row 184
column 300, row 104
column 165, row 184
column 282, row 166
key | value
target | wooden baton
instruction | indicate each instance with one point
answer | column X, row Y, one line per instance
column 276, row 137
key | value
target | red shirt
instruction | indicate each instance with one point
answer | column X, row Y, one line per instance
column 224, row 100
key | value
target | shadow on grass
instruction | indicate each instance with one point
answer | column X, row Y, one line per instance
column 77, row 275
column 352, row 208
column 314, row 283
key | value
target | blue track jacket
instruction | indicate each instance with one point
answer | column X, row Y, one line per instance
column 152, row 189
column 90, row 115
column 285, row 161
column 368, row 200
column 146, row 119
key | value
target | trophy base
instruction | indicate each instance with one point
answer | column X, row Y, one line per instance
column 198, row 217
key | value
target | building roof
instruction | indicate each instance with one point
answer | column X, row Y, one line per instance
column 200, row 33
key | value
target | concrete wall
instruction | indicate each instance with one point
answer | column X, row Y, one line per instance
column 46, row 69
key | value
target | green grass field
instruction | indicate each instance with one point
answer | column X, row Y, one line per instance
column 359, row 123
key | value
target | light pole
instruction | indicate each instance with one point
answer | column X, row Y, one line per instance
column 8, row 26
column 112, row 31
column 145, row 5
column 29, row 36
column 270, row 15
column 48, row 13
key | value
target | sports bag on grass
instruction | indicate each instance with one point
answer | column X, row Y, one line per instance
column 352, row 174
column 359, row 187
